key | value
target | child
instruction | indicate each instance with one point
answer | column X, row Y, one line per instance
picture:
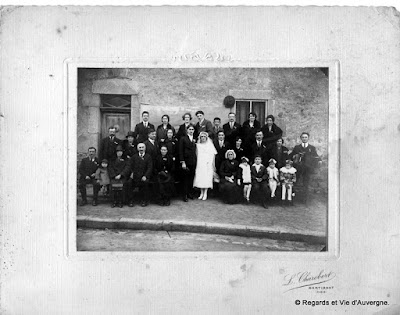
column 273, row 177
column 259, row 183
column 288, row 178
column 102, row 177
column 117, row 184
column 245, row 177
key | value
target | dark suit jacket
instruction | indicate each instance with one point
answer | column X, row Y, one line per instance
column 281, row 160
column 215, row 132
column 220, row 153
column 141, row 132
column 138, row 167
column 152, row 149
column 262, row 173
column 309, row 156
column 205, row 126
column 271, row 136
column 187, row 151
column 232, row 133
column 262, row 151
column 108, row 148
column 87, row 167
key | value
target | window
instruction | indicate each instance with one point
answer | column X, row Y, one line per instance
column 244, row 107
column 115, row 103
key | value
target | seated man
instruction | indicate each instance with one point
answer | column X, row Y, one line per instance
column 87, row 171
column 138, row 172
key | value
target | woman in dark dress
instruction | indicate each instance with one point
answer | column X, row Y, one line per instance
column 271, row 131
column 161, row 133
column 238, row 148
column 164, row 168
column 228, row 187
column 279, row 153
column 249, row 130
column 187, row 117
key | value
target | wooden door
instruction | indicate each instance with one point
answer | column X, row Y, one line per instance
column 122, row 122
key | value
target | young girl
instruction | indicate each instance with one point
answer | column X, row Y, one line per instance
column 244, row 178
column 273, row 177
column 288, row 178
column 102, row 177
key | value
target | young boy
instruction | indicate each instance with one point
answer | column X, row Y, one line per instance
column 102, row 177
column 273, row 177
column 117, row 184
column 259, row 184
column 244, row 177
column 288, row 178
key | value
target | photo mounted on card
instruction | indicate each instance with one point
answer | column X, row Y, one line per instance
column 201, row 152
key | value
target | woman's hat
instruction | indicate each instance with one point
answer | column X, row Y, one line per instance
column 271, row 161
column 119, row 148
column 130, row 134
column 104, row 161
column 289, row 162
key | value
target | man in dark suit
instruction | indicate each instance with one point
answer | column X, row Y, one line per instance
column 259, row 148
column 138, row 172
column 221, row 146
column 305, row 160
column 232, row 129
column 108, row 145
column 142, row 129
column 203, row 124
column 152, row 145
column 87, row 170
column 188, row 160
column 216, row 128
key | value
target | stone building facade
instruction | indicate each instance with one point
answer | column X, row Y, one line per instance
column 297, row 97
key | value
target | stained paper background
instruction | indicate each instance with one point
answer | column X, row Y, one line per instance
column 37, row 275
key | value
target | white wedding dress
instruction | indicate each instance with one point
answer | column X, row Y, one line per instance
column 205, row 165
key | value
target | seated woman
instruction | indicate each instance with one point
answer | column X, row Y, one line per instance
column 228, row 187
column 238, row 148
column 164, row 169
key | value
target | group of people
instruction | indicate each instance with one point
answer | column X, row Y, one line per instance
column 244, row 163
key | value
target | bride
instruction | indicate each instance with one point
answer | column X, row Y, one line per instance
column 206, row 152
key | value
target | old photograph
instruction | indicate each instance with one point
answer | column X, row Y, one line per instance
column 202, row 159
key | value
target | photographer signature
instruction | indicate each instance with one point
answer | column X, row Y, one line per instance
column 307, row 278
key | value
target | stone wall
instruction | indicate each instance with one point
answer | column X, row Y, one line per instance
column 300, row 94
